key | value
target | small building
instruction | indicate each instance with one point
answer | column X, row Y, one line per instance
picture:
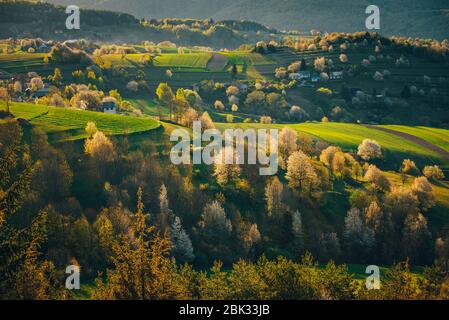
column 109, row 107
column 315, row 77
column 40, row 93
column 243, row 87
column 301, row 75
column 294, row 76
column 336, row 75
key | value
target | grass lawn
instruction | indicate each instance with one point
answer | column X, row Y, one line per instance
column 71, row 123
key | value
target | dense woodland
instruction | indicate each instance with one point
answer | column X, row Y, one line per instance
column 124, row 214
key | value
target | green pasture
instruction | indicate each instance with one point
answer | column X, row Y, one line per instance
column 70, row 123
column 349, row 136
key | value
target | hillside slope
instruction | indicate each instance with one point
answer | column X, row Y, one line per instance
column 413, row 18
column 69, row 124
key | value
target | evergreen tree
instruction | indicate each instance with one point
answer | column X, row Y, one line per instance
column 14, row 188
column 141, row 267
column 182, row 245
column 36, row 279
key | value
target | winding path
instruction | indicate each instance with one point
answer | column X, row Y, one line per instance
column 415, row 139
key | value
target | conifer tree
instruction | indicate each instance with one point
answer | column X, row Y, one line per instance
column 182, row 245
column 141, row 267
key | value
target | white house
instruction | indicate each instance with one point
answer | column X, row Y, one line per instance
column 243, row 87
column 294, row 76
column 109, row 107
column 300, row 75
column 336, row 75
column 40, row 93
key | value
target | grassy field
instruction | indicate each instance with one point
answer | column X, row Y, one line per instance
column 166, row 60
column 248, row 58
column 187, row 69
column 22, row 62
column 349, row 136
column 192, row 60
column 439, row 137
column 69, row 124
column 148, row 106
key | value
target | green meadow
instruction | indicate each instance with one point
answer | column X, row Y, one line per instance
column 349, row 136
column 69, row 124
column 439, row 137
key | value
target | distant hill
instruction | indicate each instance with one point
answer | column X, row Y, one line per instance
column 32, row 19
column 414, row 18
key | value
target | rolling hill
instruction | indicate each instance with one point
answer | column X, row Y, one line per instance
column 402, row 17
column 349, row 136
column 69, row 124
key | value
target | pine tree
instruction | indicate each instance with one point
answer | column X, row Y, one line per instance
column 183, row 249
column 141, row 267
column 36, row 279
column 13, row 191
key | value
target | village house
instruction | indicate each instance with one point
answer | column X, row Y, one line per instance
column 336, row 75
column 40, row 93
column 243, row 87
column 301, row 75
column 109, row 107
